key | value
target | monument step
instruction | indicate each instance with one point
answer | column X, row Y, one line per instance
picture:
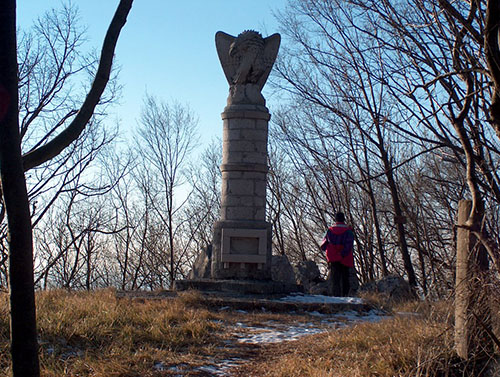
column 276, row 303
column 264, row 287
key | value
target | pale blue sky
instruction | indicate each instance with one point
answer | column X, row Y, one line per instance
column 167, row 48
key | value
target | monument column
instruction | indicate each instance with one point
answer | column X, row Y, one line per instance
column 242, row 237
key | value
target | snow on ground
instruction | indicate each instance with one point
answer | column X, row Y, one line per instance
column 275, row 332
column 319, row 299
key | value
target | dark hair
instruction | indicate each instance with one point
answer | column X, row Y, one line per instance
column 339, row 217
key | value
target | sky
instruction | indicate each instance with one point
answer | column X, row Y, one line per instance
column 167, row 49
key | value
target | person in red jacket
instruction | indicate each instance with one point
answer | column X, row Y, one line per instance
column 338, row 245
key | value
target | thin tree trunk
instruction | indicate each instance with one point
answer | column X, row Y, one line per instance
column 398, row 212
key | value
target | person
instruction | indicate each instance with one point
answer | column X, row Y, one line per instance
column 338, row 246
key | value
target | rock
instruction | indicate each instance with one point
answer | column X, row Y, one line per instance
column 282, row 270
column 353, row 283
column 307, row 273
column 202, row 264
column 392, row 286
column 321, row 288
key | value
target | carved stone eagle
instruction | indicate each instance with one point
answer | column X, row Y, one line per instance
column 247, row 61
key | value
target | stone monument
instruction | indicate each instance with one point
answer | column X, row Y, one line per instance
column 242, row 237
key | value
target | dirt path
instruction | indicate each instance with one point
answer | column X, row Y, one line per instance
column 250, row 340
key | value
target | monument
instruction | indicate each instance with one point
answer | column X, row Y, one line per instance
column 240, row 257
column 242, row 237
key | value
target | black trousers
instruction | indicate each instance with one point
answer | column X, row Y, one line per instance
column 339, row 276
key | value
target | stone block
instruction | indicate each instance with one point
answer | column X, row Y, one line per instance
column 240, row 187
column 244, row 246
column 255, row 157
column 245, row 158
column 307, row 273
column 232, row 174
column 230, row 135
column 239, row 213
column 233, row 157
column 260, row 214
column 238, row 269
column 241, row 168
column 240, row 124
column 235, row 201
column 246, row 111
column 244, row 146
column 259, row 201
column 261, row 125
column 254, row 175
column 260, row 188
column 202, row 264
column 253, row 135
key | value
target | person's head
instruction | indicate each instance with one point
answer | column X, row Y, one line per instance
column 339, row 217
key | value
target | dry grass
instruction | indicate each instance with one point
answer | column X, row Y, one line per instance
column 416, row 341
column 397, row 347
column 95, row 334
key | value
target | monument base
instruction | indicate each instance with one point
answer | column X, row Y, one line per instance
column 238, row 286
column 241, row 250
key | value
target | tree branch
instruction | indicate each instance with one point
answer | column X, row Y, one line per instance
column 74, row 130
column 492, row 56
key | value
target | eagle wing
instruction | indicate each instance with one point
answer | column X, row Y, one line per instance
column 271, row 47
column 229, row 64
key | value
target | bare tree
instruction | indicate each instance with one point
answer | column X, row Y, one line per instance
column 13, row 164
column 166, row 138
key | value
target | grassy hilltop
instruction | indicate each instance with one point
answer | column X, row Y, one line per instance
column 98, row 334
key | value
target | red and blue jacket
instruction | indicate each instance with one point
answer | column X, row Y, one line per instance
column 338, row 244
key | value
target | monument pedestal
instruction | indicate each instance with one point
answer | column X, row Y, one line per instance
column 242, row 250
column 242, row 238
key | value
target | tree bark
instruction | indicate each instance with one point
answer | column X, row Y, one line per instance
column 472, row 313
column 24, row 346
column 492, row 55
column 398, row 213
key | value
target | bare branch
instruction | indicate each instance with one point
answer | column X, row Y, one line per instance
column 73, row 131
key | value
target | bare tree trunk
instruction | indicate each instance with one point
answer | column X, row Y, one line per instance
column 492, row 55
column 398, row 214
column 24, row 346
column 472, row 317
column 378, row 232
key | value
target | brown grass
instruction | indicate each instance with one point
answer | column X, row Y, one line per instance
column 400, row 346
column 96, row 334
column 416, row 341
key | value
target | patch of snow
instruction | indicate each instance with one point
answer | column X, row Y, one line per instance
column 161, row 367
column 354, row 317
column 222, row 368
column 275, row 332
column 320, row 299
column 283, row 333
column 317, row 314
column 178, row 369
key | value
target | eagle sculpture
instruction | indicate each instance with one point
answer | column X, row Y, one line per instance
column 247, row 61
